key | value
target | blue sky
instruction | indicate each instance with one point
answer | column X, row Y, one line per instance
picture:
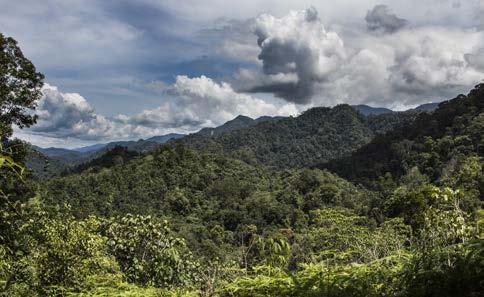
column 134, row 69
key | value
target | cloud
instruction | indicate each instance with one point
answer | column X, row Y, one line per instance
column 87, row 46
column 305, row 64
column 476, row 59
column 201, row 102
column 232, row 39
column 68, row 115
column 139, row 57
column 381, row 19
column 434, row 59
column 406, row 68
column 480, row 14
column 296, row 53
column 193, row 103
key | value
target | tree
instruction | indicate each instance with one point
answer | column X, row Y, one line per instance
column 148, row 252
column 20, row 88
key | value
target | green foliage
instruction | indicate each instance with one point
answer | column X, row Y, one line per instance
column 438, row 144
column 19, row 87
column 374, row 279
column 71, row 253
column 116, row 156
column 200, row 192
column 341, row 236
column 318, row 135
column 148, row 253
column 248, row 216
column 120, row 289
column 15, row 244
column 445, row 259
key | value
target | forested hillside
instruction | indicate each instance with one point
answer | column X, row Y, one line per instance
column 448, row 142
column 350, row 205
column 318, row 135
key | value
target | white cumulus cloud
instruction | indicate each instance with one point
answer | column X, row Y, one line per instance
column 192, row 103
column 69, row 115
column 201, row 102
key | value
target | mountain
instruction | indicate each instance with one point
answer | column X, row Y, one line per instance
column 54, row 151
column 429, row 107
column 237, row 123
column 85, row 153
column 165, row 138
column 368, row 110
column 90, row 148
column 315, row 136
column 140, row 146
column 60, row 154
column 115, row 156
column 44, row 166
column 99, row 146
column 416, row 181
column 318, row 134
column 161, row 181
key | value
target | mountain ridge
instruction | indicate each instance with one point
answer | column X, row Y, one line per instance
column 378, row 120
column 319, row 133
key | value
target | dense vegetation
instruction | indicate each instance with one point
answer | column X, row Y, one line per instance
column 318, row 135
column 207, row 217
column 445, row 148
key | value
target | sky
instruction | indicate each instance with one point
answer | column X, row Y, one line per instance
column 121, row 69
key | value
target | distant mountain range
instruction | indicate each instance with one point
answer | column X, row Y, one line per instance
column 96, row 147
column 49, row 161
column 368, row 110
column 52, row 160
column 90, row 148
column 83, row 154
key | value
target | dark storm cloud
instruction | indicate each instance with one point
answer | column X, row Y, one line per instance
column 381, row 19
column 296, row 53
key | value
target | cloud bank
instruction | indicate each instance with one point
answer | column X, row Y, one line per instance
column 194, row 103
column 304, row 63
